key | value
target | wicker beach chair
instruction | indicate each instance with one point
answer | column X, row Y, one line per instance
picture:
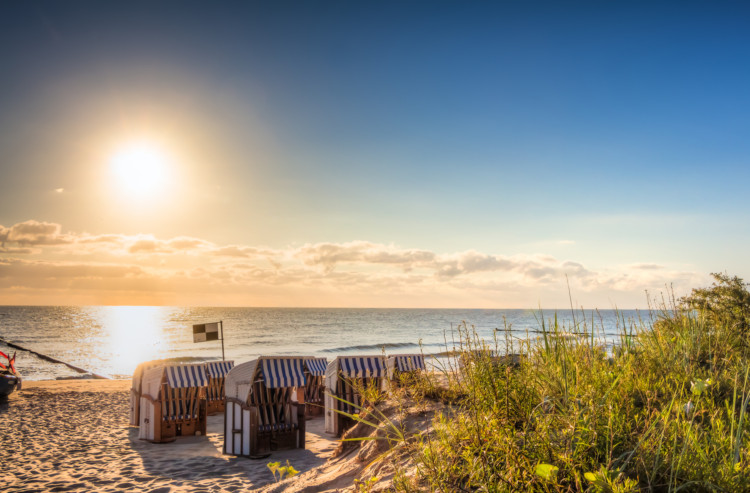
column 315, row 371
column 345, row 377
column 173, row 402
column 216, row 372
column 135, row 390
column 263, row 410
column 404, row 364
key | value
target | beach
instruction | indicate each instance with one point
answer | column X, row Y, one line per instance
column 73, row 435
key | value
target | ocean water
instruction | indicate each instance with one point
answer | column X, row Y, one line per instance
column 112, row 340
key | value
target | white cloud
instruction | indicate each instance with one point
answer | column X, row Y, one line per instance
column 32, row 233
column 189, row 268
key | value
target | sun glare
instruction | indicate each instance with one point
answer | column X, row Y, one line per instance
column 140, row 169
column 135, row 334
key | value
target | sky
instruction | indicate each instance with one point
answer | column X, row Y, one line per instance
column 372, row 154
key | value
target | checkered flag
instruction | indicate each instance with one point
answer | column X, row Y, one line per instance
column 206, row 332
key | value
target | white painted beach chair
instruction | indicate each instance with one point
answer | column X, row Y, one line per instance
column 216, row 372
column 315, row 371
column 400, row 364
column 263, row 410
column 173, row 402
column 135, row 390
column 345, row 376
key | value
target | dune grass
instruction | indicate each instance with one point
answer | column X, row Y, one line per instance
column 665, row 409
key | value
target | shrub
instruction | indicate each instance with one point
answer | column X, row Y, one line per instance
column 663, row 411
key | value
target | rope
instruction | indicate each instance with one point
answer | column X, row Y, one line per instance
column 53, row 360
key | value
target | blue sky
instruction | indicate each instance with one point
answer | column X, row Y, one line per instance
column 606, row 135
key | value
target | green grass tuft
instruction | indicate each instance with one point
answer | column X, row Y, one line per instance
column 664, row 410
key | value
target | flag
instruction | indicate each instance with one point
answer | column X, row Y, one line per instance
column 206, row 332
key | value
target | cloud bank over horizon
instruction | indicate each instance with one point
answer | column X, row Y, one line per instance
column 40, row 263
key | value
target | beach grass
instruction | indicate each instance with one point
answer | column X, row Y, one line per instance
column 664, row 409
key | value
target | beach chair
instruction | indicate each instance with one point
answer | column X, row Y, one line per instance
column 315, row 371
column 173, row 402
column 345, row 377
column 263, row 410
column 135, row 390
column 216, row 371
column 404, row 364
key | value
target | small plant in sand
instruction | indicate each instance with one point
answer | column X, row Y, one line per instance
column 287, row 470
column 365, row 486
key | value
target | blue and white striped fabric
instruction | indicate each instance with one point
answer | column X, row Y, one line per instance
column 283, row 372
column 410, row 362
column 182, row 376
column 362, row 366
column 219, row 368
column 316, row 366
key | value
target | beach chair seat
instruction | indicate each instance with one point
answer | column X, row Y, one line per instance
column 135, row 389
column 262, row 413
column 314, row 392
column 173, row 402
column 216, row 372
column 404, row 364
column 345, row 377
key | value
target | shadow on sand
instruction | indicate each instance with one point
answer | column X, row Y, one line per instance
column 196, row 458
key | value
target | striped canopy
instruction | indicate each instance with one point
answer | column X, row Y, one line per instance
column 316, row 366
column 181, row 376
column 283, row 372
column 362, row 366
column 409, row 362
column 219, row 368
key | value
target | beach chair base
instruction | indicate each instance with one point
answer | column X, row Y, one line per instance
column 215, row 407
column 314, row 409
column 243, row 426
column 344, row 423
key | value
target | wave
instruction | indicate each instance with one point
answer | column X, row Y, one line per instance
column 363, row 347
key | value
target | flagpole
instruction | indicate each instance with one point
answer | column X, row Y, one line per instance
column 221, row 324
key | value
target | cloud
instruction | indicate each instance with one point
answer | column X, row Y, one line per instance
column 26, row 271
column 152, row 245
column 647, row 266
column 242, row 252
column 470, row 262
column 148, row 245
column 328, row 255
column 32, row 233
column 186, row 267
column 22, row 251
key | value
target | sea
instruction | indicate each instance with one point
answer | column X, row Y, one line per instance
column 112, row 340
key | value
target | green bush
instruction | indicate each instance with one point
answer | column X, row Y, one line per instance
column 726, row 303
column 664, row 410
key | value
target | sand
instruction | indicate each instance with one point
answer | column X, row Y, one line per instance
column 73, row 435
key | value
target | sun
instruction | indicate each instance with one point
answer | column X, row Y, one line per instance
column 140, row 169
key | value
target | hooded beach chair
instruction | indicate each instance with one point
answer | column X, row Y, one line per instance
column 135, row 390
column 173, row 402
column 399, row 364
column 345, row 377
column 216, row 372
column 315, row 371
column 263, row 412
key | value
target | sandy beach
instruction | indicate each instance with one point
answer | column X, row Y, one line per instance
column 73, row 435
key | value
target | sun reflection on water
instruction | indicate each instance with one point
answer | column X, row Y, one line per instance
column 132, row 334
